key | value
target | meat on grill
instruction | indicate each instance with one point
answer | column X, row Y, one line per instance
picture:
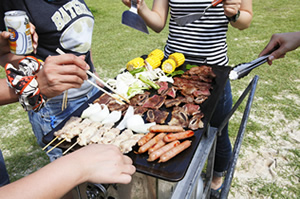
column 154, row 102
column 139, row 99
column 157, row 116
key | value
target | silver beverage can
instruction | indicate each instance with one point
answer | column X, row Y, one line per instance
column 17, row 23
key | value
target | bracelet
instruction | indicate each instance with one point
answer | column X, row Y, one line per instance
column 23, row 80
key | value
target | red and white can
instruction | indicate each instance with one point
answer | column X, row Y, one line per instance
column 17, row 23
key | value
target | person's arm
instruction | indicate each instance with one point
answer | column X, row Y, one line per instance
column 7, row 95
column 93, row 163
column 231, row 8
column 284, row 42
column 155, row 18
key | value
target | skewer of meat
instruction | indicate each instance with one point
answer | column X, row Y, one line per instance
column 73, row 121
column 178, row 136
column 156, row 154
column 174, row 151
column 165, row 129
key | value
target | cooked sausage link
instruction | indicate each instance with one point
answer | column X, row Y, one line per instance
column 178, row 136
column 146, row 138
column 156, row 146
column 174, row 151
column 165, row 129
column 151, row 142
column 156, row 154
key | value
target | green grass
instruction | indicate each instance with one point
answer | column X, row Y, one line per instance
column 277, row 93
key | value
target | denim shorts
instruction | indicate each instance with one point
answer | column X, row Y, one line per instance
column 51, row 115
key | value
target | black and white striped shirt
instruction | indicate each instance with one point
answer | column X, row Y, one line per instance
column 203, row 39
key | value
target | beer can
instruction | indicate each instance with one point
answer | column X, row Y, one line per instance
column 17, row 23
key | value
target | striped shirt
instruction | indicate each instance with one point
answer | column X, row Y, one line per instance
column 202, row 41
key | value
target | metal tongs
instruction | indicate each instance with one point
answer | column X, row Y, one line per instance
column 244, row 69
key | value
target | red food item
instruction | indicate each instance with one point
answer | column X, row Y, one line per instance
column 178, row 136
column 174, row 151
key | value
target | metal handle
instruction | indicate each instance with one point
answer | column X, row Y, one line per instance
column 216, row 2
column 133, row 6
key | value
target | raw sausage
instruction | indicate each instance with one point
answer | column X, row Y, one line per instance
column 156, row 154
column 178, row 136
column 165, row 129
column 151, row 142
column 174, row 151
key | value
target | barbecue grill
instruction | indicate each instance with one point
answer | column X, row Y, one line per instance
column 181, row 176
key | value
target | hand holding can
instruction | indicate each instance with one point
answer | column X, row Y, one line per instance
column 20, row 41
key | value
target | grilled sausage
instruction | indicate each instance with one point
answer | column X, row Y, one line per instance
column 156, row 154
column 178, row 136
column 151, row 142
column 174, row 151
column 156, row 146
column 146, row 138
column 165, row 128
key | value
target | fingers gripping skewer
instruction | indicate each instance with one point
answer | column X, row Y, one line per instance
column 59, row 51
column 56, row 146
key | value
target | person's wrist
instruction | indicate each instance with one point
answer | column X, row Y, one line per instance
column 235, row 17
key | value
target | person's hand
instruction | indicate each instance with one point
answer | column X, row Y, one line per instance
column 4, row 45
column 104, row 164
column 4, row 40
column 61, row 73
column 284, row 42
column 128, row 3
column 231, row 7
column 34, row 37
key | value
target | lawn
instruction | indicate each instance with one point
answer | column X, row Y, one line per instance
column 268, row 166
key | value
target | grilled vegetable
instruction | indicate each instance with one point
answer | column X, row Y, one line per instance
column 157, row 53
column 148, row 82
column 153, row 61
column 135, row 63
column 178, row 58
column 169, row 66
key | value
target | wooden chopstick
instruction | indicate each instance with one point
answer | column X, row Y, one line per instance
column 59, row 51
column 104, row 91
column 106, row 85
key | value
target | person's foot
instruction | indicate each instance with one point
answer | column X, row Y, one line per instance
column 216, row 183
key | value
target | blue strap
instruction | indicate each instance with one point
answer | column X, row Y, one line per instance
column 53, row 120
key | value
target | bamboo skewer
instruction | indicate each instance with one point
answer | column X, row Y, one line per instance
column 71, row 147
column 56, row 145
column 50, row 142
column 65, row 101
column 59, row 51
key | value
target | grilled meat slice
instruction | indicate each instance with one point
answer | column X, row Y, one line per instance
column 154, row 102
column 157, row 116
